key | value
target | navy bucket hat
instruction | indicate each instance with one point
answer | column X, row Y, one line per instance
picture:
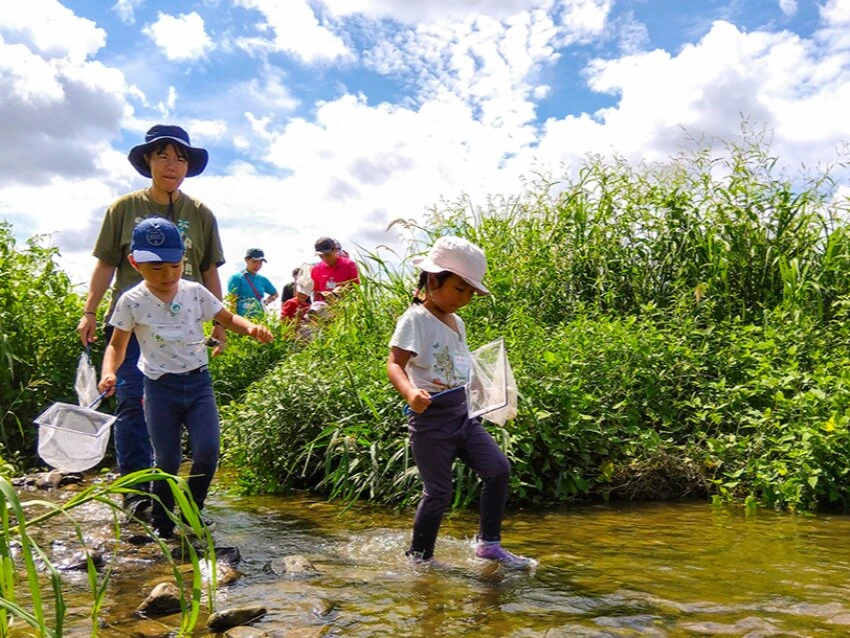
column 164, row 133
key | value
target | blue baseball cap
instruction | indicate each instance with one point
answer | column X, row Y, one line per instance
column 156, row 239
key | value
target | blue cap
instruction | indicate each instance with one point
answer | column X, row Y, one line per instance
column 156, row 239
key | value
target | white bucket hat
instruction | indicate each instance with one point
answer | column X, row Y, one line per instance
column 458, row 256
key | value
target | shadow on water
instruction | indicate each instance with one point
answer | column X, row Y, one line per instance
column 684, row 569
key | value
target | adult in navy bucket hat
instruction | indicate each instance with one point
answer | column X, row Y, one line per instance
column 166, row 158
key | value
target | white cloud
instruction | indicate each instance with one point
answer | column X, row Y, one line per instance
column 789, row 7
column 59, row 109
column 297, row 31
column 180, row 38
column 414, row 12
column 56, row 33
column 126, row 10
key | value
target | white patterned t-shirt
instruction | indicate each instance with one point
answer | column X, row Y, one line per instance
column 441, row 358
column 165, row 330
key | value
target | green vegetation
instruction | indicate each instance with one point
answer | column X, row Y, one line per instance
column 676, row 329
column 20, row 522
column 39, row 347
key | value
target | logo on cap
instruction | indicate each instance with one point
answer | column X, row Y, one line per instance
column 155, row 237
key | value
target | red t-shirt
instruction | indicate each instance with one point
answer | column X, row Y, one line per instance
column 290, row 307
column 326, row 278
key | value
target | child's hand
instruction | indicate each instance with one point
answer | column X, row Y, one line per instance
column 418, row 400
column 107, row 382
column 260, row 333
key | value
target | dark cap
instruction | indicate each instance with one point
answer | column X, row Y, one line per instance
column 325, row 245
column 255, row 253
column 156, row 240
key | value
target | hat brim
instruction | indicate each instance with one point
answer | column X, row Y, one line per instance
column 424, row 263
column 198, row 157
column 325, row 252
column 167, row 255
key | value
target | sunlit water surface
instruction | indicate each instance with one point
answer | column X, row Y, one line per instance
column 683, row 569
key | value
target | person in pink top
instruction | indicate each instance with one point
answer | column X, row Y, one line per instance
column 334, row 272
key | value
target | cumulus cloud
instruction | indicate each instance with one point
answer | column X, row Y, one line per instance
column 297, row 31
column 59, row 109
column 126, row 10
column 59, row 34
column 413, row 13
column 180, row 37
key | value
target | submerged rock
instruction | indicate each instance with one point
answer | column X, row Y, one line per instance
column 228, row 618
column 163, row 599
column 294, row 565
column 49, row 480
column 79, row 562
column 244, row 632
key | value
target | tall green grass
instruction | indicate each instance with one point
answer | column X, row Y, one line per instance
column 42, row 606
column 676, row 329
column 39, row 347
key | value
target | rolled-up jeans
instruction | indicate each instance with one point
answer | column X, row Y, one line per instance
column 438, row 436
column 132, row 443
column 171, row 402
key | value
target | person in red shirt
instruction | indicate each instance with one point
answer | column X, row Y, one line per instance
column 334, row 272
column 296, row 307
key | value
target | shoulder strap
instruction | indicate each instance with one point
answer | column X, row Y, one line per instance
column 256, row 294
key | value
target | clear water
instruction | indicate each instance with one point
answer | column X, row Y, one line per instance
column 684, row 569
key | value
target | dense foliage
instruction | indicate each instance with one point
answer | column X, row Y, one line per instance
column 676, row 329
column 39, row 347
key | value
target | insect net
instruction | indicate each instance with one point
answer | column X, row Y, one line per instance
column 491, row 392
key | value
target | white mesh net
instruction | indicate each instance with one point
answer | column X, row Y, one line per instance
column 492, row 392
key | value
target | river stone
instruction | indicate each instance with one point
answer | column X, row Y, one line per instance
column 164, row 599
column 306, row 632
column 291, row 565
column 78, row 562
column 245, row 632
column 228, row 554
column 71, row 478
column 234, row 616
column 226, row 575
column 48, row 480
column 318, row 606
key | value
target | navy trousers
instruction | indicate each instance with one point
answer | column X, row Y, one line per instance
column 438, row 436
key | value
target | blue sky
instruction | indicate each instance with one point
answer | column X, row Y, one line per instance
column 339, row 116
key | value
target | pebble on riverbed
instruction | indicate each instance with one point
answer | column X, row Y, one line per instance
column 235, row 616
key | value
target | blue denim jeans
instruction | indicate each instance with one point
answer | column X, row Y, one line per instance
column 133, row 450
column 172, row 402
column 438, row 436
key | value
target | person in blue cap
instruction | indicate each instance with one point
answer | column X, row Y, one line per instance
column 166, row 157
column 166, row 314
column 248, row 291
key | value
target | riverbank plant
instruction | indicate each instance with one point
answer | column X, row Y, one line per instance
column 676, row 329
column 25, row 554
column 39, row 347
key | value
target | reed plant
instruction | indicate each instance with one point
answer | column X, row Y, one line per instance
column 39, row 347
column 675, row 328
column 41, row 606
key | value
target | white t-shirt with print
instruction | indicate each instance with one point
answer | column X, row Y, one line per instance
column 441, row 357
column 165, row 329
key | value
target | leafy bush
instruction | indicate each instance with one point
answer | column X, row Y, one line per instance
column 675, row 329
column 39, row 347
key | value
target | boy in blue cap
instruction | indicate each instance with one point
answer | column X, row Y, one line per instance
column 166, row 314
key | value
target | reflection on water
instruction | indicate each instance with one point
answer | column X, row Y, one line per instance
column 637, row 570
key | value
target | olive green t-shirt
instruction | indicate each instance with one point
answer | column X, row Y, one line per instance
column 196, row 222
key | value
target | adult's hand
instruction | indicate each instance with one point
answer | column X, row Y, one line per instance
column 87, row 328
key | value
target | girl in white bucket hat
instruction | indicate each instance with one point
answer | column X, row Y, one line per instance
column 429, row 365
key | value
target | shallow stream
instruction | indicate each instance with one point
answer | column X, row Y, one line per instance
column 683, row 569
